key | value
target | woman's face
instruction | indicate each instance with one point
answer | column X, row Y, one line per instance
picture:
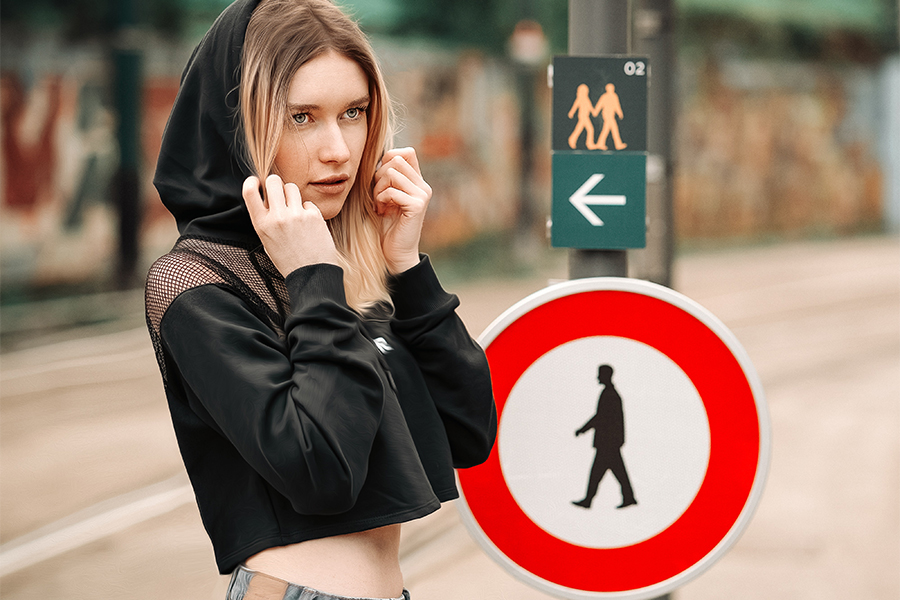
column 325, row 135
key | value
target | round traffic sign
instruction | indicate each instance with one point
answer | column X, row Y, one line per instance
column 680, row 450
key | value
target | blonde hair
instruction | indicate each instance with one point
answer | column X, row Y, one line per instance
column 281, row 37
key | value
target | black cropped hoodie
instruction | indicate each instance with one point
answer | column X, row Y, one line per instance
column 297, row 417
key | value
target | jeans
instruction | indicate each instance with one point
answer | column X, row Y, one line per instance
column 252, row 585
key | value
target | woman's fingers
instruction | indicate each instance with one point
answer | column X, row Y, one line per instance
column 252, row 194
column 275, row 194
column 396, row 180
column 397, row 200
column 278, row 195
column 398, row 174
column 310, row 207
column 401, row 198
column 403, row 165
column 293, row 232
column 407, row 154
column 292, row 197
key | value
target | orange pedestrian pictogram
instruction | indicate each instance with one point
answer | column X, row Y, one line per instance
column 585, row 109
column 608, row 106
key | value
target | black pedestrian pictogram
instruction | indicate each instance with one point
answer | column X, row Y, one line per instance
column 609, row 437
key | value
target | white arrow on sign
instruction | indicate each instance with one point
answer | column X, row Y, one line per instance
column 581, row 199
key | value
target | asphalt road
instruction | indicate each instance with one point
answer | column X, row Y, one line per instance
column 94, row 503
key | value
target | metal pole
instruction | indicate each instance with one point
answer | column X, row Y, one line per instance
column 127, row 61
column 654, row 37
column 598, row 27
column 525, row 229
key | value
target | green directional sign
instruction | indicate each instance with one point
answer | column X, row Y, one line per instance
column 599, row 142
column 599, row 200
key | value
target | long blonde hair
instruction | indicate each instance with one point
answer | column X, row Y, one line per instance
column 281, row 37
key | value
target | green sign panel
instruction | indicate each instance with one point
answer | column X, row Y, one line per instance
column 599, row 141
column 599, row 200
column 600, row 103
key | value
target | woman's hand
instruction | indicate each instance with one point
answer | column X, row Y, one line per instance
column 293, row 232
column 401, row 198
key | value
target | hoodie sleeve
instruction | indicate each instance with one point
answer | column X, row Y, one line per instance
column 304, row 411
column 453, row 364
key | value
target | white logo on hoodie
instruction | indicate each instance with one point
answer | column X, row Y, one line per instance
column 382, row 345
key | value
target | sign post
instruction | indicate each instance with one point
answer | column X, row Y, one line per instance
column 598, row 27
column 633, row 441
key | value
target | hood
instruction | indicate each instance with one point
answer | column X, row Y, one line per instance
column 199, row 172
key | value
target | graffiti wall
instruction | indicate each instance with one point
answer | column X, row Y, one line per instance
column 57, row 149
column 57, row 224
column 762, row 148
column 778, row 148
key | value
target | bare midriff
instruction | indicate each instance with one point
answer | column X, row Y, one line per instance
column 364, row 564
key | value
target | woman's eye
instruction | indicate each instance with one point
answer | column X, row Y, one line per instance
column 355, row 113
column 300, row 118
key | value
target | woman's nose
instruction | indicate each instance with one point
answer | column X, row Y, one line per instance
column 333, row 146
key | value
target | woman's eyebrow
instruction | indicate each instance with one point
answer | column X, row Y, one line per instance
column 359, row 101
column 302, row 108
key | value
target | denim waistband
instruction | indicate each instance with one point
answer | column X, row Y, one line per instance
column 253, row 585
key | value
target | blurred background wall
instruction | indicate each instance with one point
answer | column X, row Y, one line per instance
column 786, row 124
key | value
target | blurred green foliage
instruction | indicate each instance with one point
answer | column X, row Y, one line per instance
column 858, row 30
column 870, row 16
column 486, row 24
column 76, row 18
column 85, row 19
column 802, row 27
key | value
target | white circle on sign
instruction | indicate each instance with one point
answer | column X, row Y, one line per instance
column 666, row 451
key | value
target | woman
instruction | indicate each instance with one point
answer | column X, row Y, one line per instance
column 321, row 385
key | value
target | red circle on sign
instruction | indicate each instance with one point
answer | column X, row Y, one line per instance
column 734, row 442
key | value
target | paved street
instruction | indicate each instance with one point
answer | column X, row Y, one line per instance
column 94, row 503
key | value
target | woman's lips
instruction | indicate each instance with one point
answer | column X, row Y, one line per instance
column 331, row 185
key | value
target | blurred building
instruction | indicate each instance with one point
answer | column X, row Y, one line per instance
column 788, row 123
column 786, row 126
